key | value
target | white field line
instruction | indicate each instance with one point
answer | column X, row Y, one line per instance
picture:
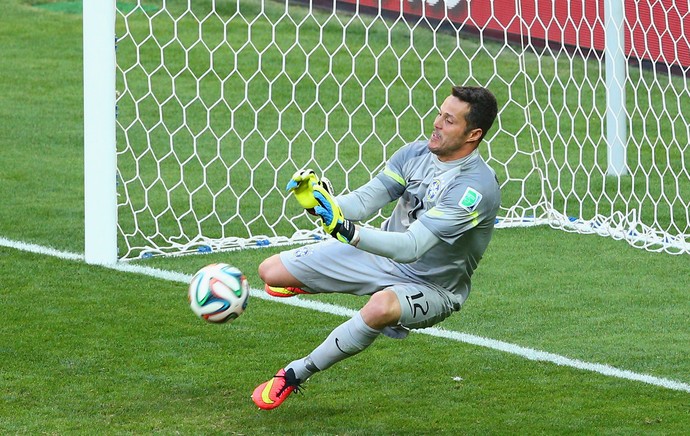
column 494, row 344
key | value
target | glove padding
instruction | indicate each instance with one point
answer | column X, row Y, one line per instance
column 332, row 219
column 301, row 185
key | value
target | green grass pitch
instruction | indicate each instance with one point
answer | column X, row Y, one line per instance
column 92, row 350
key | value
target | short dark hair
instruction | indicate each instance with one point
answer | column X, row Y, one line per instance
column 483, row 107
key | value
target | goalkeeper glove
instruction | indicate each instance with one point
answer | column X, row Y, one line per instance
column 302, row 185
column 332, row 219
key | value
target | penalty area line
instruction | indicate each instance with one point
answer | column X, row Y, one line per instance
column 527, row 353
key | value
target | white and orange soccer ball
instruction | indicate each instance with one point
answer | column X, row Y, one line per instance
column 218, row 293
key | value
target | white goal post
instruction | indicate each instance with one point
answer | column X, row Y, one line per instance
column 100, row 201
column 197, row 113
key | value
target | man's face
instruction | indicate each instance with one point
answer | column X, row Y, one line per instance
column 450, row 139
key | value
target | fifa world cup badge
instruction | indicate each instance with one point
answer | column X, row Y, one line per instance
column 470, row 199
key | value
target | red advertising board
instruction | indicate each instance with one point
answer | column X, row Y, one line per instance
column 655, row 30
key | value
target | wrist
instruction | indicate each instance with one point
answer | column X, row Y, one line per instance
column 346, row 231
column 355, row 238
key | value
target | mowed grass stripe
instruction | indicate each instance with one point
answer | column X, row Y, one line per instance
column 333, row 309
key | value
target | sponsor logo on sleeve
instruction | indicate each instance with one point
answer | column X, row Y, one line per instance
column 470, row 199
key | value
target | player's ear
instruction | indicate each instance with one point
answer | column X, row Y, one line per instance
column 475, row 134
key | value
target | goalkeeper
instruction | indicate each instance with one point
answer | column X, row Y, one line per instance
column 417, row 267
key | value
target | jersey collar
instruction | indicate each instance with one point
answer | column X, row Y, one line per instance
column 463, row 162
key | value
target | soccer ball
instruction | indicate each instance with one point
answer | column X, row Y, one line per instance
column 218, row 293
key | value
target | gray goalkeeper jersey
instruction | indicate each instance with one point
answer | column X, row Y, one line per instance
column 456, row 201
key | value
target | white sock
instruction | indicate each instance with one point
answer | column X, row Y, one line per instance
column 346, row 340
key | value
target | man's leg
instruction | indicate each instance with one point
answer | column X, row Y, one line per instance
column 351, row 337
column 273, row 273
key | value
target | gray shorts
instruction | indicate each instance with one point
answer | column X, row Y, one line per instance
column 333, row 267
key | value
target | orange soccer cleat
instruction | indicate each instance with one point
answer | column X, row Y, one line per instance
column 272, row 393
column 276, row 291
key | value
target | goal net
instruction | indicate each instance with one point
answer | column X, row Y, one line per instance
column 219, row 102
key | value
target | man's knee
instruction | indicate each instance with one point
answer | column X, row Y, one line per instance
column 382, row 310
column 269, row 269
column 273, row 273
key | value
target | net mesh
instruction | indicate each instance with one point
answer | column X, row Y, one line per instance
column 219, row 103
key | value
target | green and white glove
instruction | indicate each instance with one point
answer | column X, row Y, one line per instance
column 302, row 185
column 332, row 219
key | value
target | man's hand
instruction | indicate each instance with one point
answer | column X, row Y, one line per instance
column 301, row 184
column 332, row 219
